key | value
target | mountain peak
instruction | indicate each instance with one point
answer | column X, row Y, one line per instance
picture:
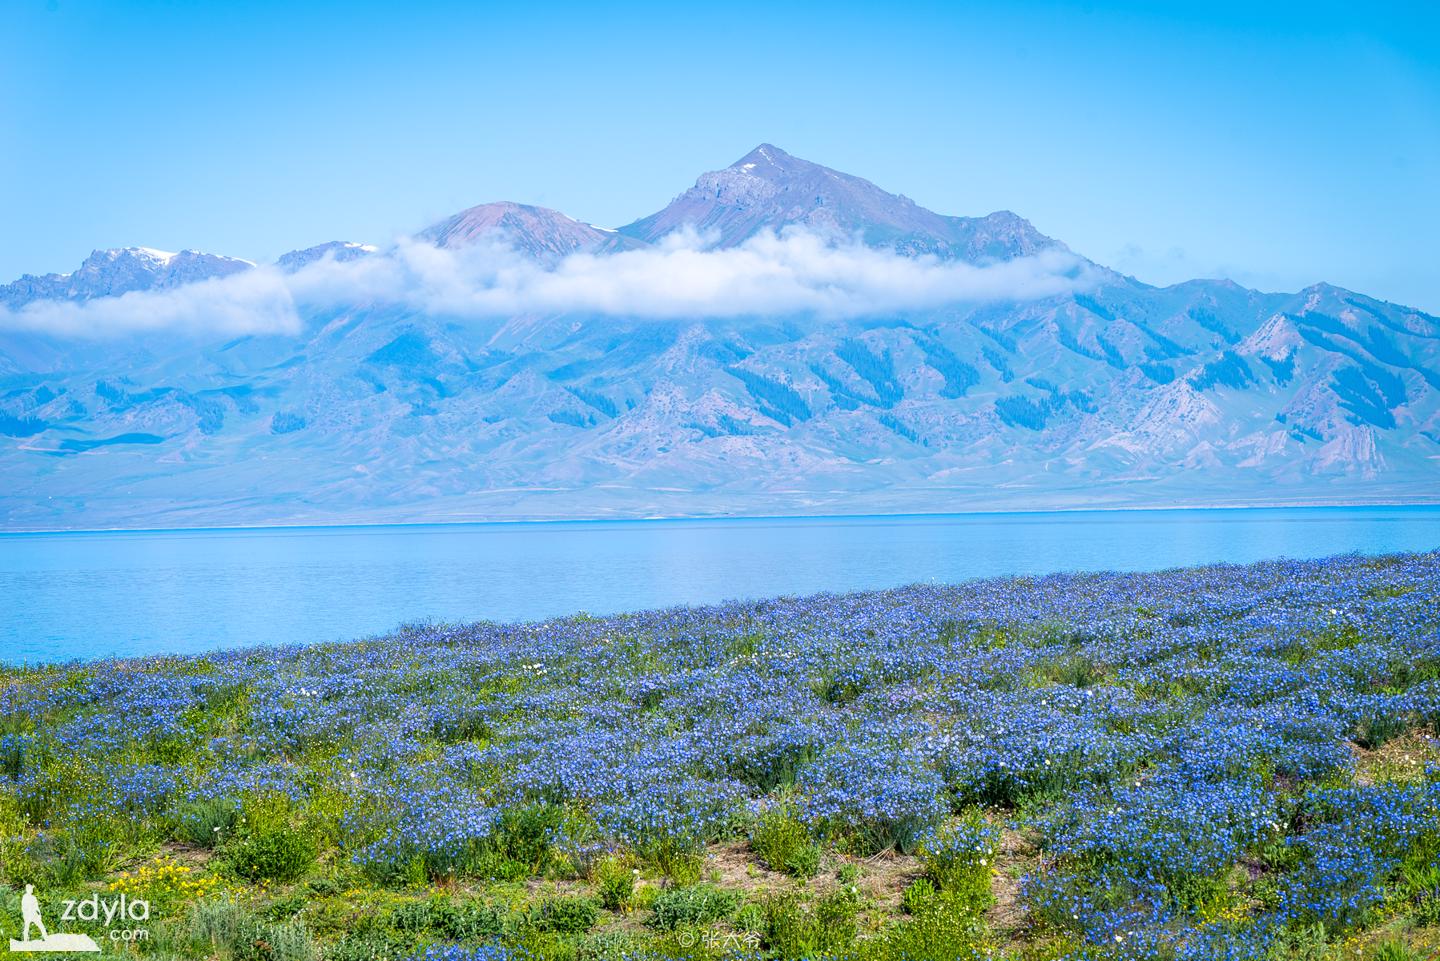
column 141, row 253
column 765, row 151
column 337, row 250
column 538, row 231
column 769, row 189
column 121, row 270
column 767, row 157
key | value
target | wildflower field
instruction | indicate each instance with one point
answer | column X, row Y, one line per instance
column 1224, row 762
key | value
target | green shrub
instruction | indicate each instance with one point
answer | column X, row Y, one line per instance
column 370, row 946
column 960, row 860
column 645, row 895
column 268, row 844
column 541, row 946
column 286, row 906
column 1420, row 886
column 564, row 915
column 918, row 896
column 773, row 768
column 683, row 868
column 522, row 836
column 750, row 917
column 15, row 864
column 835, row 920
column 1075, row 670
column 610, row 946
column 936, row 935
column 784, row 844
column 450, row 919
column 325, row 887
column 77, row 853
column 206, row 823
column 1302, row 942
column 695, row 904
column 1199, row 894
column 286, row 941
column 839, row 687
column 787, row 928
column 616, row 882
column 1376, row 729
column 793, row 930
column 229, row 930
column 12, row 755
column 55, row 784
column 222, row 924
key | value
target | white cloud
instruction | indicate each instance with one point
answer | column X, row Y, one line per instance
column 256, row 301
column 791, row 273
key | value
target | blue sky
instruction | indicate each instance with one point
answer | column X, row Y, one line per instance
column 1278, row 146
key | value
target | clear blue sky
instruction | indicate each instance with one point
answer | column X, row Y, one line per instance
column 1278, row 146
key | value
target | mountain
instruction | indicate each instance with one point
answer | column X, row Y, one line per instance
column 1115, row 395
column 537, row 231
column 339, row 251
column 769, row 189
column 108, row 273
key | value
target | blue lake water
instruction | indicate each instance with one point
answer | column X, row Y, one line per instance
column 87, row 595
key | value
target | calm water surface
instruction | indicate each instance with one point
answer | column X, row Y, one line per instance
column 87, row 595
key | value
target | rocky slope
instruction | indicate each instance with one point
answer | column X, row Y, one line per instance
column 769, row 189
column 537, row 231
column 109, row 273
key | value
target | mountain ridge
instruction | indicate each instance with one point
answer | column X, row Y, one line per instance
column 770, row 189
column 1203, row 393
column 121, row 270
column 855, row 207
column 537, row 231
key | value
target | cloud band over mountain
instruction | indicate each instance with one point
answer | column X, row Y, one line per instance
column 792, row 272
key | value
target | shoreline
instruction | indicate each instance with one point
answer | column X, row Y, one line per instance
column 675, row 518
column 381, row 637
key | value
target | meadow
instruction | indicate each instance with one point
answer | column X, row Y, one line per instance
column 1228, row 762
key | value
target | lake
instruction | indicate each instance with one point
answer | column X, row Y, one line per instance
column 88, row 595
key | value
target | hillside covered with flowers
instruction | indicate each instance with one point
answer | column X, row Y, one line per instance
column 1215, row 763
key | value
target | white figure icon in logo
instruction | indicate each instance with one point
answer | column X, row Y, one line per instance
column 30, row 911
column 30, row 919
